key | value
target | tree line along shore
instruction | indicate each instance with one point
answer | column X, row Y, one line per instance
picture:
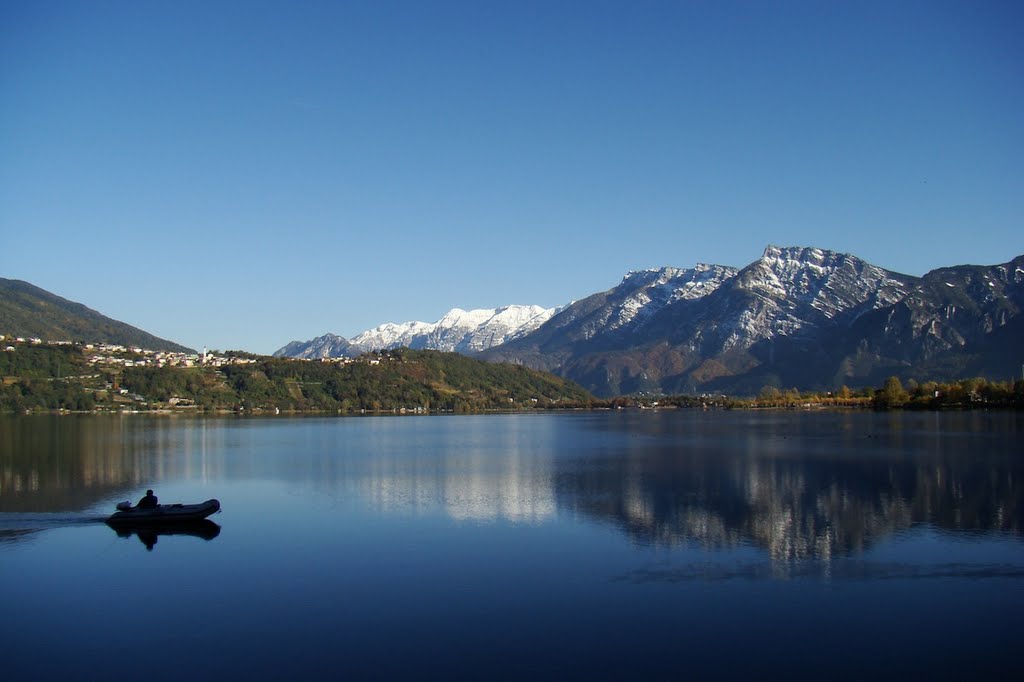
column 63, row 377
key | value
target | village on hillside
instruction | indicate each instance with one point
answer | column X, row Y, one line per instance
column 132, row 356
column 124, row 356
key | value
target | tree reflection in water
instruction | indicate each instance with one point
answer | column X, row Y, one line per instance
column 808, row 489
column 800, row 486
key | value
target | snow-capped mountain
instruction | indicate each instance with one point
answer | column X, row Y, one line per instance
column 710, row 309
column 646, row 292
column 789, row 292
column 459, row 331
column 614, row 318
column 796, row 317
column 326, row 346
column 971, row 308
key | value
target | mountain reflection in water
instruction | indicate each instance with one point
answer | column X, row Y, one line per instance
column 798, row 485
column 803, row 486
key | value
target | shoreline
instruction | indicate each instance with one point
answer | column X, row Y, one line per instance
column 399, row 412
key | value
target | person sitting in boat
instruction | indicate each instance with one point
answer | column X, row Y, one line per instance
column 148, row 502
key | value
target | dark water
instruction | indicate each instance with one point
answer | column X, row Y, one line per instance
column 626, row 545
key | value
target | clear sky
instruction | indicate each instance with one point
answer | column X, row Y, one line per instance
column 238, row 175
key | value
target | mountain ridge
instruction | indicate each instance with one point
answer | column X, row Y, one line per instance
column 798, row 316
column 457, row 331
column 29, row 311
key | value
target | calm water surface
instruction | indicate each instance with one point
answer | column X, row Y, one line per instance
column 625, row 545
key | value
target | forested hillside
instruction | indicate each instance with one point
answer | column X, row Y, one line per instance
column 65, row 377
column 27, row 311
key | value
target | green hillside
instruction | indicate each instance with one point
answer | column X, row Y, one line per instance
column 28, row 311
column 394, row 380
column 41, row 377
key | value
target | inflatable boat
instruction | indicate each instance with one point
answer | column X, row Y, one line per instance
column 165, row 514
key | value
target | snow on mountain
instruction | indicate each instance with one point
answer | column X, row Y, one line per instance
column 326, row 346
column 831, row 282
column 648, row 291
column 795, row 288
column 460, row 331
column 627, row 308
column 671, row 329
column 797, row 316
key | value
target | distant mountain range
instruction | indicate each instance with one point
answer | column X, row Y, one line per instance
column 796, row 317
column 28, row 311
column 459, row 331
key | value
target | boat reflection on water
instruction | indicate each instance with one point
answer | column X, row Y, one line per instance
column 149, row 533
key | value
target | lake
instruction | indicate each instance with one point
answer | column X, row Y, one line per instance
column 677, row 544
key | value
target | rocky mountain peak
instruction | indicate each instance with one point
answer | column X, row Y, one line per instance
column 809, row 282
column 326, row 346
column 797, row 316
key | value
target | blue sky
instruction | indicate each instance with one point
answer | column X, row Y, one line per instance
column 238, row 175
